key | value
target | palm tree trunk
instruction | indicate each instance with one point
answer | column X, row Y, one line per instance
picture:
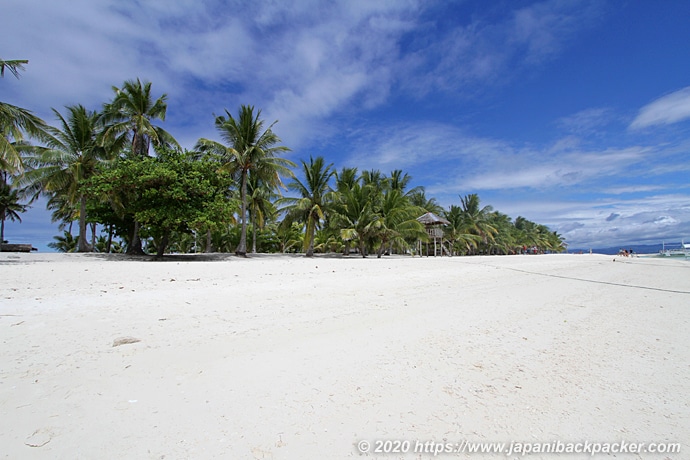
column 82, row 245
column 311, row 227
column 2, row 228
column 381, row 249
column 93, row 236
column 253, row 235
column 242, row 247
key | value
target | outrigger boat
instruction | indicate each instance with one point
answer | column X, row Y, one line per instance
column 682, row 251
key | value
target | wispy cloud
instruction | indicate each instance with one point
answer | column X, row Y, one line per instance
column 470, row 57
column 669, row 109
column 587, row 121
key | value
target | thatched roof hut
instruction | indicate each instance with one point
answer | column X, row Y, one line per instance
column 431, row 219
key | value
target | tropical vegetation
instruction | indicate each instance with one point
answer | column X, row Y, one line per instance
column 117, row 171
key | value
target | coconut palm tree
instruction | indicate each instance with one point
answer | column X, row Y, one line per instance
column 356, row 216
column 74, row 154
column 128, row 119
column 260, row 198
column 129, row 116
column 14, row 123
column 477, row 218
column 14, row 66
column 345, row 179
column 504, row 241
column 249, row 149
column 10, row 207
column 418, row 198
column 64, row 242
column 398, row 220
column 314, row 199
column 457, row 232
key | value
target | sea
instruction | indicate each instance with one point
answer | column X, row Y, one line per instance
column 637, row 248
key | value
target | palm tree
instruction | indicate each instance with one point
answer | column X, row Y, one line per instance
column 418, row 198
column 313, row 201
column 64, row 243
column 249, row 149
column 476, row 218
column 129, row 118
column 10, row 207
column 398, row 220
column 355, row 214
column 14, row 66
column 457, row 232
column 401, row 181
column 260, row 199
column 14, row 122
column 345, row 179
column 73, row 155
column 504, row 241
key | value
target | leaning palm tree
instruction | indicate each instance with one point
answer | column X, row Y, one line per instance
column 249, row 149
column 314, row 199
column 73, row 155
column 130, row 116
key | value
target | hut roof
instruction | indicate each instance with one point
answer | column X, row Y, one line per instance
column 432, row 219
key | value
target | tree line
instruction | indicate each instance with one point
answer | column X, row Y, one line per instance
column 116, row 170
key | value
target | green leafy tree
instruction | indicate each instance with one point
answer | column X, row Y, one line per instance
column 248, row 149
column 166, row 194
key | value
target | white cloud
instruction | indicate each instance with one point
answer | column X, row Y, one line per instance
column 587, row 121
column 669, row 109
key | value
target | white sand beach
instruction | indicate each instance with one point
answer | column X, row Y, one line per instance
column 283, row 357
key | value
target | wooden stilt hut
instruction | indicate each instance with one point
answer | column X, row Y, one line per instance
column 434, row 228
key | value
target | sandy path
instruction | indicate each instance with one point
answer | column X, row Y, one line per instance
column 286, row 358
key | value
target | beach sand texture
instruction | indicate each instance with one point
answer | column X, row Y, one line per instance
column 283, row 357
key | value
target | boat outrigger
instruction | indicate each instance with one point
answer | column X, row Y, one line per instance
column 682, row 251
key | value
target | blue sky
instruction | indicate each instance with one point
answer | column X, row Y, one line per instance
column 574, row 114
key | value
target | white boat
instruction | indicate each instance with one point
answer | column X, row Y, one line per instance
column 682, row 251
